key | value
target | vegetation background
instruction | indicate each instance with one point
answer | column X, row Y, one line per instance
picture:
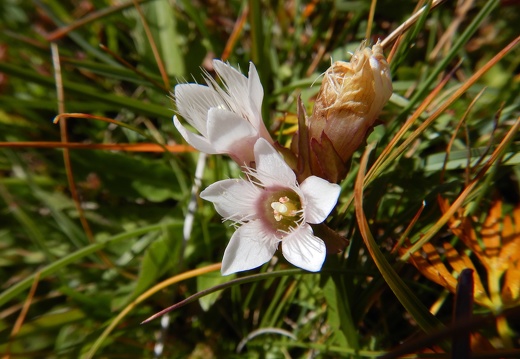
column 100, row 227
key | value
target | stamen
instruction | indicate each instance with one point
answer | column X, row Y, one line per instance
column 284, row 207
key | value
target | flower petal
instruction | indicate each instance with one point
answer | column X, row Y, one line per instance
column 256, row 95
column 248, row 248
column 320, row 197
column 303, row 249
column 234, row 199
column 228, row 131
column 197, row 141
column 271, row 168
column 193, row 102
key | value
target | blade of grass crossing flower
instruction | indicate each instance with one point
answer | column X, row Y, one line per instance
column 403, row 293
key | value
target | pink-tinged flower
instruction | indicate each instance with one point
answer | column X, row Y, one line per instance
column 270, row 208
column 228, row 119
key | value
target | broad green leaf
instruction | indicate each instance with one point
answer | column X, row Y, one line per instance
column 162, row 255
column 206, row 281
column 162, row 22
column 334, row 317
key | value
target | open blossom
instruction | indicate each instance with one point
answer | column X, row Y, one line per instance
column 271, row 208
column 351, row 97
column 228, row 119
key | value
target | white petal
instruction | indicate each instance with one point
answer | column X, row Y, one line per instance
column 320, row 197
column 249, row 247
column 244, row 94
column 229, row 74
column 227, row 130
column 303, row 249
column 193, row 102
column 270, row 166
column 256, row 95
column 234, row 199
column 199, row 142
column 235, row 85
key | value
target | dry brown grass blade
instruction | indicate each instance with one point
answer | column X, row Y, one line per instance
column 373, row 4
column 21, row 317
column 128, row 147
column 390, row 153
column 408, row 229
column 408, row 23
column 456, row 131
column 462, row 197
column 237, row 29
column 153, row 45
column 462, row 228
column 461, row 11
column 65, row 139
column 98, row 15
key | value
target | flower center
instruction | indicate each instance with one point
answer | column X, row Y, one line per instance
column 283, row 210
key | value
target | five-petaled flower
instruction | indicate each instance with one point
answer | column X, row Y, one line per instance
column 228, row 119
column 269, row 208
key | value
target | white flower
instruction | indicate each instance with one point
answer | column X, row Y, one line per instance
column 271, row 208
column 228, row 119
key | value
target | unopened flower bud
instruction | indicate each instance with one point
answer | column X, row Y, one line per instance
column 351, row 97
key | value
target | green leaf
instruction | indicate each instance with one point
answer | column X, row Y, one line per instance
column 206, row 281
column 130, row 176
column 24, row 284
column 88, row 92
column 160, row 257
column 334, row 317
column 162, row 23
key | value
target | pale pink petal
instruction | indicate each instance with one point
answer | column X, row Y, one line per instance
column 197, row 141
column 249, row 247
column 256, row 95
column 302, row 249
column 193, row 102
column 234, row 199
column 235, row 88
column 320, row 197
column 228, row 131
column 270, row 166
column 231, row 77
